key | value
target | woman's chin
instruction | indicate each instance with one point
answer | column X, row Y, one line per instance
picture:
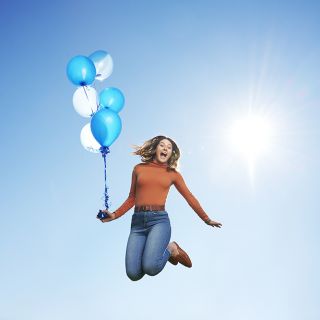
column 162, row 160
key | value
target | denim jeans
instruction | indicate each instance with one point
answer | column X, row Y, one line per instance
column 147, row 251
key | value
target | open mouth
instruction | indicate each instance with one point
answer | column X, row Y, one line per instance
column 163, row 155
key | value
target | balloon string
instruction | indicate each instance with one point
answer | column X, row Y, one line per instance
column 105, row 151
column 97, row 103
column 84, row 89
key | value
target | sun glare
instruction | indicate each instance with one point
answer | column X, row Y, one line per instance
column 250, row 137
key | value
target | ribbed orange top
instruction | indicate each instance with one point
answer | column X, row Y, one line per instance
column 150, row 185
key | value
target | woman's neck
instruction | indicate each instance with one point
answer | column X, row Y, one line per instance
column 163, row 165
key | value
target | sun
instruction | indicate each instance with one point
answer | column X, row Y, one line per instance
column 251, row 137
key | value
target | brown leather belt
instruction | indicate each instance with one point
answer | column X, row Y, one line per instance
column 149, row 208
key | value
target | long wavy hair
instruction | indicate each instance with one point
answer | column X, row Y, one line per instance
column 147, row 151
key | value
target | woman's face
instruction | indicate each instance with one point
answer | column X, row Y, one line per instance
column 163, row 151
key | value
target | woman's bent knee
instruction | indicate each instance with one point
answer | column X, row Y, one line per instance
column 151, row 270
column 135, row 276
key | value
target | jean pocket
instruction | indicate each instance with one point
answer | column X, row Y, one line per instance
column 135, row 220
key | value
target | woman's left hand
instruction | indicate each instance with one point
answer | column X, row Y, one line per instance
column 214, row 223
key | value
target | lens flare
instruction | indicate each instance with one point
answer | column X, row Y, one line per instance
column 251, row 136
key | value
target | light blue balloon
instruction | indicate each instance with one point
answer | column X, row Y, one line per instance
column 98, row 56
column 103, row 63
column 81, row 71
column 111, row 98
column 106, row 126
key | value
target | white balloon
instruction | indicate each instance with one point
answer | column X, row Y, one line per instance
column 88, row 141
column 104, row 64
column 85, row 101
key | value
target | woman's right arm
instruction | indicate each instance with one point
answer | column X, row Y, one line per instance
column 128, row 203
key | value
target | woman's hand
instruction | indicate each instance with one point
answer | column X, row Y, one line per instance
column 214, row 223
column 110, row 216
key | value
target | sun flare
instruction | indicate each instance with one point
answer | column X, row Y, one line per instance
column 251, row 136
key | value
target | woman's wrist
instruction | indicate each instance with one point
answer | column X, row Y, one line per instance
column 207, row 221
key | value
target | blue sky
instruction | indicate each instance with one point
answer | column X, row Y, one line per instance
column 187, row 69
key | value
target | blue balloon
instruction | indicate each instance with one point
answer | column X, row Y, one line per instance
column 111, row 98
column 81, row 71
column 106, row 126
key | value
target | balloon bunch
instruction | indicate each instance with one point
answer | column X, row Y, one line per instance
column 105, row 125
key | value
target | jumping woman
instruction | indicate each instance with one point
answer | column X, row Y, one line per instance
column 148, row 247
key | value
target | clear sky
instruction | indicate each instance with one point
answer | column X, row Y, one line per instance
column 188, row 70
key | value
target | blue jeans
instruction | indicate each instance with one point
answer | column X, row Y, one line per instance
column 147, row 251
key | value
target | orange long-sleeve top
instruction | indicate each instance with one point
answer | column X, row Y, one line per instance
column 150, row 185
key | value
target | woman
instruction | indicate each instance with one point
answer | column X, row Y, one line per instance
column 148, row 248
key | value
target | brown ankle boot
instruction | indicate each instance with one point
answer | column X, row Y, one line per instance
column 182, row 258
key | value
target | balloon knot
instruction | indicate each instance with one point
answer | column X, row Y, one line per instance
column 104, row 151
